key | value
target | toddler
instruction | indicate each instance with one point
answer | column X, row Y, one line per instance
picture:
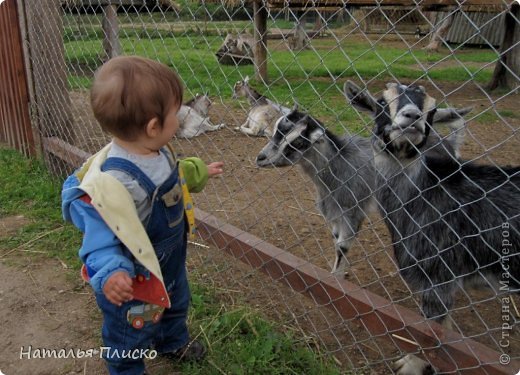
column 132, row 202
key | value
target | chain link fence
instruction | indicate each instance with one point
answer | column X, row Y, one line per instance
column 311, row 49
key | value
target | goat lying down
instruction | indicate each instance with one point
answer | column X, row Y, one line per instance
column 447, row 217
column 193, row 118
column 341, row 168
column 263, row 113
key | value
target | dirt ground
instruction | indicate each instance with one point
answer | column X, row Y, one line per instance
column 41, row 306
column 277, row 205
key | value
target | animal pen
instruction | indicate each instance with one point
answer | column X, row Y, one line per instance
column 266, row 218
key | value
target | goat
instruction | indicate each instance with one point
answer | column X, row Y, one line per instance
column 341, row 169
column 240, row 44
column 246, row 43
column 200, row 103
column 263, row 113
column 193, row 118
column 447, row 217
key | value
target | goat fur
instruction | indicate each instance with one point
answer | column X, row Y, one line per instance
column 341, row 168
column 263, row 113
column 450, row 220
column 193, row 118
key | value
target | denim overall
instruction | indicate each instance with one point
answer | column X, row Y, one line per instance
column 166, row 229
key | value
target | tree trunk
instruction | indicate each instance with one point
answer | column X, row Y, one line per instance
column 507, row 68
column 440, row 33
column 260, row 48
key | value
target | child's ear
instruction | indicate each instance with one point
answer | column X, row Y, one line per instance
column 153, row 127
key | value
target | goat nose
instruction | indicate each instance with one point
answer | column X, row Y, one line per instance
column 412, row 114
column 261, row 157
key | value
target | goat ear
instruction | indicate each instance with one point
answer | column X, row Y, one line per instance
column 295, row 107
column 446, row 115
column 360, row 99
column 316, row 134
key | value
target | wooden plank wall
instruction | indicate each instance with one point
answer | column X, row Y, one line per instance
column 15, row 124
column 424, row 4
column 481, row 28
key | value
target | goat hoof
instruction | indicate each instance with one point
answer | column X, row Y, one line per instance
column 412, row 365
column 340, row 272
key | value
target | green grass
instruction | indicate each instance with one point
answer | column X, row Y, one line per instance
column 239, row 339
column 248, row 344
column 313, row 78
column 486, row 117
column 27, row 189
column 509, row 113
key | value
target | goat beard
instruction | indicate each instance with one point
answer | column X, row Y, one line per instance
column 402, row 144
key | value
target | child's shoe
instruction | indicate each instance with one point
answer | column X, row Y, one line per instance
column 193, row 351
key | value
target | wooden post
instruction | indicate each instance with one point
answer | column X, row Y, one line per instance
column 111, row 45
column 49, row 72
column 260, row 19
column 51, row 104
column 507, row 68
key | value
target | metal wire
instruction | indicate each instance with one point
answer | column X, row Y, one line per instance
column 371, row 45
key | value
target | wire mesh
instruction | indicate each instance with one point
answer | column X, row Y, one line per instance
column 311, row 50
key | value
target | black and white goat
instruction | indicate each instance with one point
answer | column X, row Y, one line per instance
column 193, row 118
column 447, row 217
column 341, row 168
column 263, row 113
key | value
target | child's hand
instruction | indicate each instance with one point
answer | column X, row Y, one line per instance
column 118, row 288
column 215, row 168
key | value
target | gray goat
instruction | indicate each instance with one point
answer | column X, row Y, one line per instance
column 193, row 118
column 341, row 168
column 447, row 217
column 263, row 113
